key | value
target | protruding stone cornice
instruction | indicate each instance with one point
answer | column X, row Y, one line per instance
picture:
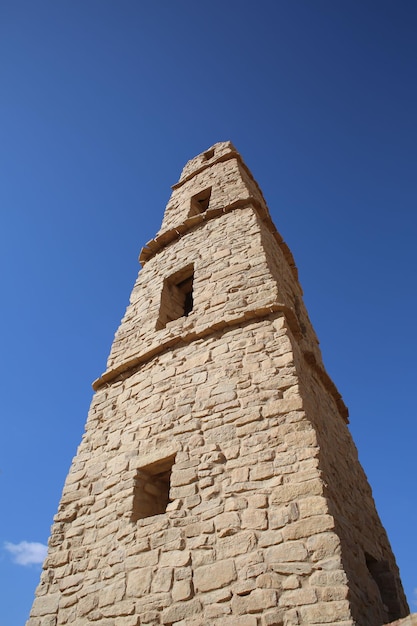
column 231, row 154
column 130, row 366
column 194, row 334
column 154, row 246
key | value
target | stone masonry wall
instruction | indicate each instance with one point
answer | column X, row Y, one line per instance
column 229, row 183
column 247, row 531
column 216, row 481
column 410, row 620
column 347, row 489
column 231, row 276
column 290, row 292
column 352, row 507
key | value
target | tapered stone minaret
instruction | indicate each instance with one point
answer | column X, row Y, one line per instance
column 217, row 482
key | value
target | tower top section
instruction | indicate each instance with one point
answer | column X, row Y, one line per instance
column 216, row 262
column 219, row 152
column 214, row 182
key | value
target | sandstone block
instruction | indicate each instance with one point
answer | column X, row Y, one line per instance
column 87, row 604
column 182, row 590
column 130, row 620
column 66, row 514
column 291, row 492
column 283, row 515
column 309, row 526
column 227, row 521
column 410, row 620
column 213, row 611
column 273, row 618
column 244, row 587
column 240, row 475
column 262, row 471
column 322, row 578
column 329, row 594
column 280, row 407
column 65, row 616
column 123, row 607
column 144, row 559
column 261, row 599
column 217, row 596
column 285, row 461
column 254, row 518
column 182, row 477
column 251, row 564
column 199, row 528
column 139, row 582
column 323, row 545
column 183, row 573
column 330, row 563
column 170, row 539
column 175, row 558
column 297, row 597
column 112, row 594
column 291, row 582
column 326, row 612
column 71, row 583
column 239, row 604
column 258, row 501
column 292, row 618
column 215, row 575
column 269, row 580
column 183, row 492
column 269, row 538
column 242, row 620
column 202, row 541
column 240, row 543
column 287, row 551
column 57, row 558
column 44, row 605
column 153, row 603
column 184, row 610
column 249, row 416
column 298, row 567
column 149, row 617
column 313, row 505
column 202, row 557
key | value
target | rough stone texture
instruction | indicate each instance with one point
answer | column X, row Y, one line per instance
column 216, row 481
column 410, row 620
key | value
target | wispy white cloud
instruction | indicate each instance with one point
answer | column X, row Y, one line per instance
column 26, row 552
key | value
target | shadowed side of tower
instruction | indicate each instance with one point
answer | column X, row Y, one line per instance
column 216, row 481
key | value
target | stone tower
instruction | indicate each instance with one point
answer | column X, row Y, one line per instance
column 217, row 482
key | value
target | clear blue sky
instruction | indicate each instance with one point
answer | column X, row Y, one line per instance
column 102, row 103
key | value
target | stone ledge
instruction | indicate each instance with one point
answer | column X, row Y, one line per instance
column 154, row 246
column 128, row 367
column 190, row 172
column 410, row 620
column 328, row 384
column 125, row 368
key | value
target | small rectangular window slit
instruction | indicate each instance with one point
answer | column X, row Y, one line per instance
column 386, row 585
column 200, row 202
column 176, row 297
column 151, row 491
column 209, row 154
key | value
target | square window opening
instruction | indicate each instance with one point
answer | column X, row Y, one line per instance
column 385, row 581
column 151, row 491
column 200, row 202
column 209, row 154
column 176, row 297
